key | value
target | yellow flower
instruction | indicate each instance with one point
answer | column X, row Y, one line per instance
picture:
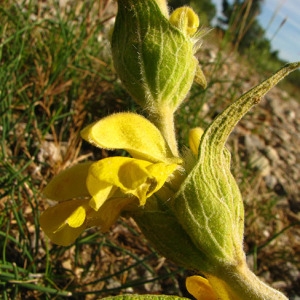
column 94, row 193
column 209, row 289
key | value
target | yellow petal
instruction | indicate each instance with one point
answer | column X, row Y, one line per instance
column 132, row 176
column 130, row 132
column 161, row 172
column 69, row 183
column 64, row 222
column 212, row 288
column 200, row 288
column 108, row 213
column 99, row 190
column 194, row 139
column 77, row 218
column 108, row 174
column 132, row 173
column 223, row 291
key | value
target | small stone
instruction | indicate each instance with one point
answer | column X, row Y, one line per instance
column 253, row 142
column 260, row 163
column 290, row 115
column 271, row 181
column 283, row 135
column 272, row 155
column 279, row 285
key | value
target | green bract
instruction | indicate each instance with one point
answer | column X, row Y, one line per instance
column 208, row 204
column 153, row 58
column 169, row 238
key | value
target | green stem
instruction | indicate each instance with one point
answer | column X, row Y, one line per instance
column 164, row 121
column 246, row 285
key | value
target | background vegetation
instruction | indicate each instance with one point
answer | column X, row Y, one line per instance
column 56, row 76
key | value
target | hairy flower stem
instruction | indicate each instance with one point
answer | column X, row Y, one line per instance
column 164, row 121
column 246, row 285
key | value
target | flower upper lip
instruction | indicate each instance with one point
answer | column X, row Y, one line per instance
column 133, row 133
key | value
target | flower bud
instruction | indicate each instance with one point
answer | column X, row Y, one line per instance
column 154, row 59
column 185, row 19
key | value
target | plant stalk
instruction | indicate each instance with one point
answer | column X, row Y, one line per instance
column 164, row 121
column 244, row 284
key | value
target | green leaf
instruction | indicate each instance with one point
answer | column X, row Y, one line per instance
column 163, row 230
column 209, row 205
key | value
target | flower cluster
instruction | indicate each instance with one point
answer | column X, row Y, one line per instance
column 94, row 193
